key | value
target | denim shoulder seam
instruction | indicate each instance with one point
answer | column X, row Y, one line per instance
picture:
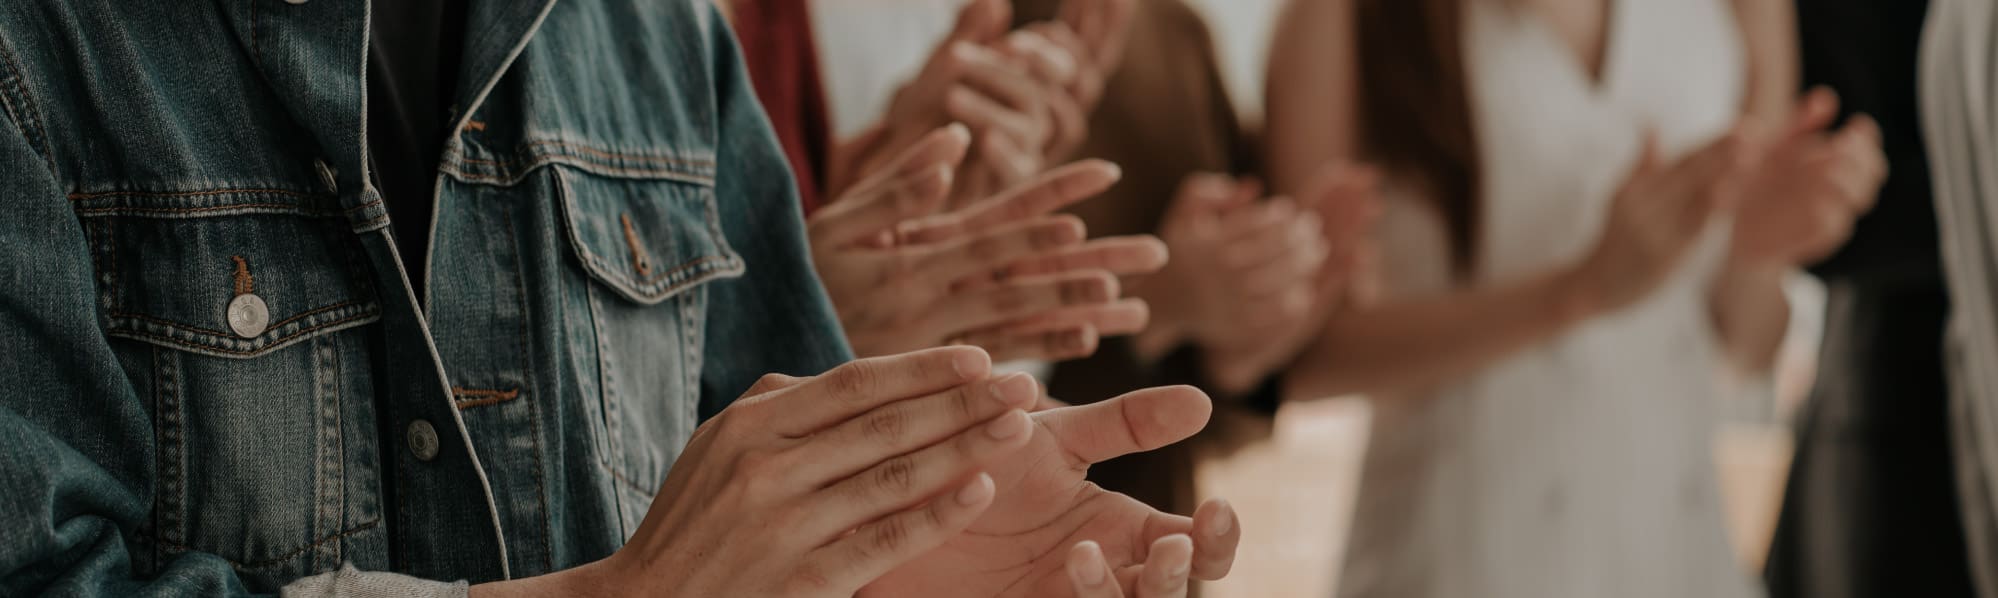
column 20, row 105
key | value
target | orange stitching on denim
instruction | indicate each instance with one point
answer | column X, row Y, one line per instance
column 475, row 125
column 480, row 397
column 244, row 282
column 84, row 196
column 288, row 556
column 640, row 261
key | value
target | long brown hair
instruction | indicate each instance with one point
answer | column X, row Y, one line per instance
column 1415, row 109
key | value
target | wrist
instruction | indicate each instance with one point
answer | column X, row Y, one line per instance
column 1577, row 294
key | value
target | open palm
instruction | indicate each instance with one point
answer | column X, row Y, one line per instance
column 1044, row 508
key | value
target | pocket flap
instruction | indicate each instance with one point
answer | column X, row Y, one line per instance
column 645, row 238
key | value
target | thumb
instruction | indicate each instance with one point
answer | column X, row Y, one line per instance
column 1137, row 422
column 1815, row 111
column 981, row 21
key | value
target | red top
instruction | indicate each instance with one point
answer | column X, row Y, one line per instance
column 783, row 62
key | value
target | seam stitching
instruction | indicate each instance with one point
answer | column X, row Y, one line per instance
column 33, row 114
column 200, row 330
column 287, row 556
column 275, row 343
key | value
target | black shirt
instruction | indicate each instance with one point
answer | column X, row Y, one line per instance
column 1868, row 51
column 414, row 50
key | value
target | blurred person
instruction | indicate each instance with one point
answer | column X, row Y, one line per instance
column 1955, row 70
column 1872, row 508
column 235, row 369
column 1226, row 311
column 1590, row 207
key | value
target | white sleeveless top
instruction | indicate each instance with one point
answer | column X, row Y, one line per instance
column 1581, row 468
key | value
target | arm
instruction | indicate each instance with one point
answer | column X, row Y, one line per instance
column 1749, row 310
column 1313, row 109
column 776, row 318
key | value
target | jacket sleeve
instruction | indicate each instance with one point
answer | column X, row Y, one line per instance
column 76, row 442
column 776, row 317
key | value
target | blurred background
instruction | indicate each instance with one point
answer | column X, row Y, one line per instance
column 1293, row 467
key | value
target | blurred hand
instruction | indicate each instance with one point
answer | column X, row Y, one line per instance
column 1093, row 33
column 1051, row 533
column 980, row 76
column 817, row 486
column 1247, row 275
column 1808, row 188
column 1001, row 273
column 1656, row 219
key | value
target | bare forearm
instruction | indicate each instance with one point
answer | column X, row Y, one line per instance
column 1406, row 345
column 587, row 581
column 1751, row 315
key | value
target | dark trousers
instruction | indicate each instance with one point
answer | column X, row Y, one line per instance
column 1871, row 508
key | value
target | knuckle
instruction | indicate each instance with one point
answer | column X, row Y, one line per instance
column 854, row 380
column 896, row 477
column 809, row 580
column 890, row 536
column 887, row 425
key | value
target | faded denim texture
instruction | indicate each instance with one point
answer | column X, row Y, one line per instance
column 617, row 255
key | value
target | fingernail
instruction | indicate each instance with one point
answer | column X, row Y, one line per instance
column 977, row 490
column 1014, row 389
column 968, row 365
column 1224, row 519
column 1090, row 571
column 1013, row 423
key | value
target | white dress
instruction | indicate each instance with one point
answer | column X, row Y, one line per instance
column 1580, row 468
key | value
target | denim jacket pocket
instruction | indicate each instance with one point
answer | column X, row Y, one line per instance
column 232, row 311
column 647, row 245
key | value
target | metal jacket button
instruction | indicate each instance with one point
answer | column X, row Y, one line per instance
column 248, row 315
column 422, row 440
column 295, row 1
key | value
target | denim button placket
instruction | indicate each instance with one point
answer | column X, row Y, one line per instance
column 422, row 440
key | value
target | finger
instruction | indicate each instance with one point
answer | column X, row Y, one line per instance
column 981, row 21
column 1073, row 342
column 1124, row 316
column 1050, row 191
column 905, row 426
column 1020, row 298
column 862, row 385
column 991, row 74
column 1010, row 158
column 903, row 482
column 1284, row 271
column 1070, row 121
column 1167, row 565
column 772, row 383
column 1815, row 111
column 879, row 547
column 1104, row 25
column 1216, row 533
column 1137, row 422
column 1089, row 574
column 913, row 185
column 1256, row 220
column 988, row 252
column 1290, row 236
column 1048, row 63
column 1122, row 256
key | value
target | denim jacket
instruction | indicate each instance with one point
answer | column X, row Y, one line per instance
column 217, row 379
